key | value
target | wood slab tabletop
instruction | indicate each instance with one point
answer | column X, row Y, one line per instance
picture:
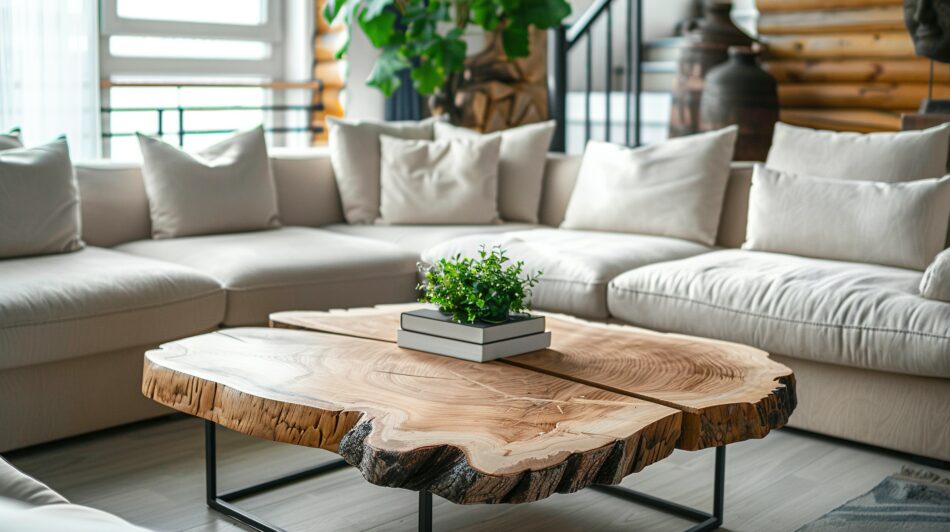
column 603, row 402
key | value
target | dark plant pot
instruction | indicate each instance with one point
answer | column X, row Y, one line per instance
column 739, row 92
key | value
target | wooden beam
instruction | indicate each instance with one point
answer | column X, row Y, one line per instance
column 878, row 45
column 861, row 120
column 857, row 70
column 897, row 96
column 886, row 18
column 769, row 6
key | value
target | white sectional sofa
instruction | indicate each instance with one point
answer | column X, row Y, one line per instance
column 872, row 357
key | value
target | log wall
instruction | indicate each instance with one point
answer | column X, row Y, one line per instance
column 847, row 65
column 331, row 72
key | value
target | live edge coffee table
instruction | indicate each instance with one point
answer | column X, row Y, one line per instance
column 603, row 402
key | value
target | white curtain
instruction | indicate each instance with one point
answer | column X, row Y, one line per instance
column 49, row 72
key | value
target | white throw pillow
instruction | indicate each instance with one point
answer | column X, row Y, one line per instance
column 894, row 224
column 520, row 168
column 355, row 157
column 224, row 188
column 439, row 182
column 674, row 189
column 935, row 284
column 11, row 139
column 39, row 201
column 903, row 156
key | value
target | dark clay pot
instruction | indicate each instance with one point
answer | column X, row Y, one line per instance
column 740, row 92
column 707, row 41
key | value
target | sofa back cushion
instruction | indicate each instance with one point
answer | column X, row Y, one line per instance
column 882, row 156
column 115, row 207
column 227, row 187
column 674, row 188
column 893, row 224
column 39, row 201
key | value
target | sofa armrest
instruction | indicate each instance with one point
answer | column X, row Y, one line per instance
column 935, row 283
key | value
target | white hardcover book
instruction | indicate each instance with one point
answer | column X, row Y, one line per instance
column 431, row 321
column 470, row 351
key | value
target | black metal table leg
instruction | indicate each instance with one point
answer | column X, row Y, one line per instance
column 221, row 502
column 707, row 521
column 425, row 511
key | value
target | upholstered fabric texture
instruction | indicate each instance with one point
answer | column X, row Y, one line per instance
column 95, row 300
column 672, row 189
column 439, row 182
column 895, row 224
column 355, row 156
column 291, row 268
column 224, row 188
column 17, row 486
column 39, row 201
column 903, row 156
column 92, row 392
column 418, row 238
column 576, row 265
column 859, row 315
column 11, row 139
column 18, row 516
column 902, row 412
column 114, row 203
column 520, row 166
column 935, row 284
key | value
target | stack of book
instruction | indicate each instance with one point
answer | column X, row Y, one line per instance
column 434, row 332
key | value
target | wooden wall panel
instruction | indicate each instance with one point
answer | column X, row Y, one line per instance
column 327, row 69
column 847, row 65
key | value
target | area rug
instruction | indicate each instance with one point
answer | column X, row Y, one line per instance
column 910, row 500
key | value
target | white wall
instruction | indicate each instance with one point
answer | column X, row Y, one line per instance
column 360, row 100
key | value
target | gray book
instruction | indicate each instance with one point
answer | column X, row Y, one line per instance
column 433, row 322
column 470, row 351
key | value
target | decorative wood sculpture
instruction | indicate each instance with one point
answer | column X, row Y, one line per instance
column 495, row 93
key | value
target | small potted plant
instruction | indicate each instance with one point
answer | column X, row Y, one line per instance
column 483, row 289
column 482, row 306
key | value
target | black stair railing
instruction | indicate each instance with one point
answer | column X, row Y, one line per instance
column 566, row 37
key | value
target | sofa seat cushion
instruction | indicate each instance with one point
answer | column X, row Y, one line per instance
column 418, row 238
column 56, row 307
column 852, row 314
column 291, row 268
column 576, row 265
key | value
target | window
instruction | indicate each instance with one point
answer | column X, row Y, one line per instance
column 192, row 71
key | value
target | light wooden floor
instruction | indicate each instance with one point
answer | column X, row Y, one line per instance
column 153, row 476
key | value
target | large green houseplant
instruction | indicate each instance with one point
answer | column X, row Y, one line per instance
column 426, row 36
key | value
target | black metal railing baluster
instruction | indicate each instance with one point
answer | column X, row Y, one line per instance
column 559, row 89
column 609, row 70
column 587, row 87
column 181, row 126
column 566, row 38
column 637, row 71
column 628, row 72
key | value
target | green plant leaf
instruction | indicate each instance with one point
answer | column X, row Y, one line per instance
column 427, row 77
column 375, row 7
column 333, row 9
column 380, row 28
column 385, row 73
column 516, row 41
